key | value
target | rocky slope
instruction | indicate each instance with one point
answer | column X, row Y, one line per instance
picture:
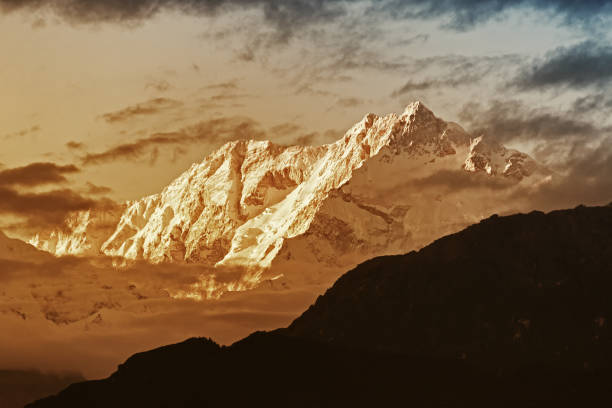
column 271, row 211
column 513, row 311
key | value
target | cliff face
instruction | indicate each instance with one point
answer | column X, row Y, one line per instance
column 269, row 210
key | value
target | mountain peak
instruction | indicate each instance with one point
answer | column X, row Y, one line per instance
column 418, row 109
column 255, row 204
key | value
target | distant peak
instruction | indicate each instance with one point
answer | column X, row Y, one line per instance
column 417, row 108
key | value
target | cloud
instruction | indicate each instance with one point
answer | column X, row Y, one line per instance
column 39, row 23
column 287, row 16
column 160, row 85
column 36, row 174
column 570, row 142
column 23, row 132
column 43, row 208
column 22, row 194
column 599, row 102
column 585, row 64
column 463, row 15
column 585, row 180
column 150, row 107
column 212, row 131
column 72, row 306
column 93, row 189
column 226, row 86
column 426, row 84
column 285, row 129
column 512, row 121
column 416, row 39
column 454, row 71
column 72, row 145
column 228, row 97
column 349, row 102
column 314, row 138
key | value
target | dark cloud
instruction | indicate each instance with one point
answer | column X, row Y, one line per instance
column 349, row 102
column 465, row 14
column 36, row 174
column 455, row 70
column 72, row 145
column 151, row 107
column 228, row 97
column 287, row 16
column 212, row 131
column 512, row 121
column 226, row 86
column 585, row 180
column 23, row 132
column 585, row 64
column 599, row 102
column 570, row 142
column 43, row 209
column 416, row 39
column 412, row 86
column 93, row 189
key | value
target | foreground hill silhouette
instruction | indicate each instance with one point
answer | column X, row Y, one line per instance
column 513, row 311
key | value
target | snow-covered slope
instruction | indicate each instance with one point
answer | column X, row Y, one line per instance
column 85, row 232
column 391, row 184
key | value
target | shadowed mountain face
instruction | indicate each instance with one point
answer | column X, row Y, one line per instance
column 506, row 291
column 513, row 311
column 18, row 387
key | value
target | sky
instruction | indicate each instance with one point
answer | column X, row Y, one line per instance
column 116, row 99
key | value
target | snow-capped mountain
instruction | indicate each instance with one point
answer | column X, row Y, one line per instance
column 391, row 184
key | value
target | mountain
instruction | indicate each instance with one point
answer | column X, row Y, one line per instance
column 18, row 387
column 273, row 211
column 513, row 311
column 84, row 232
column 507, row 291
column 12, row 249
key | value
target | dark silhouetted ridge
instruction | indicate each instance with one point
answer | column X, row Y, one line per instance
column 513, row 311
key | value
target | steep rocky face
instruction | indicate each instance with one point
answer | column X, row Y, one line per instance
column 269, row 210
column 85, row 232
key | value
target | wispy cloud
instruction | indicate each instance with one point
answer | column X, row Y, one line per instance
column 159, row 85
column 23, row 132
column 211, row 131
column 150, row 107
